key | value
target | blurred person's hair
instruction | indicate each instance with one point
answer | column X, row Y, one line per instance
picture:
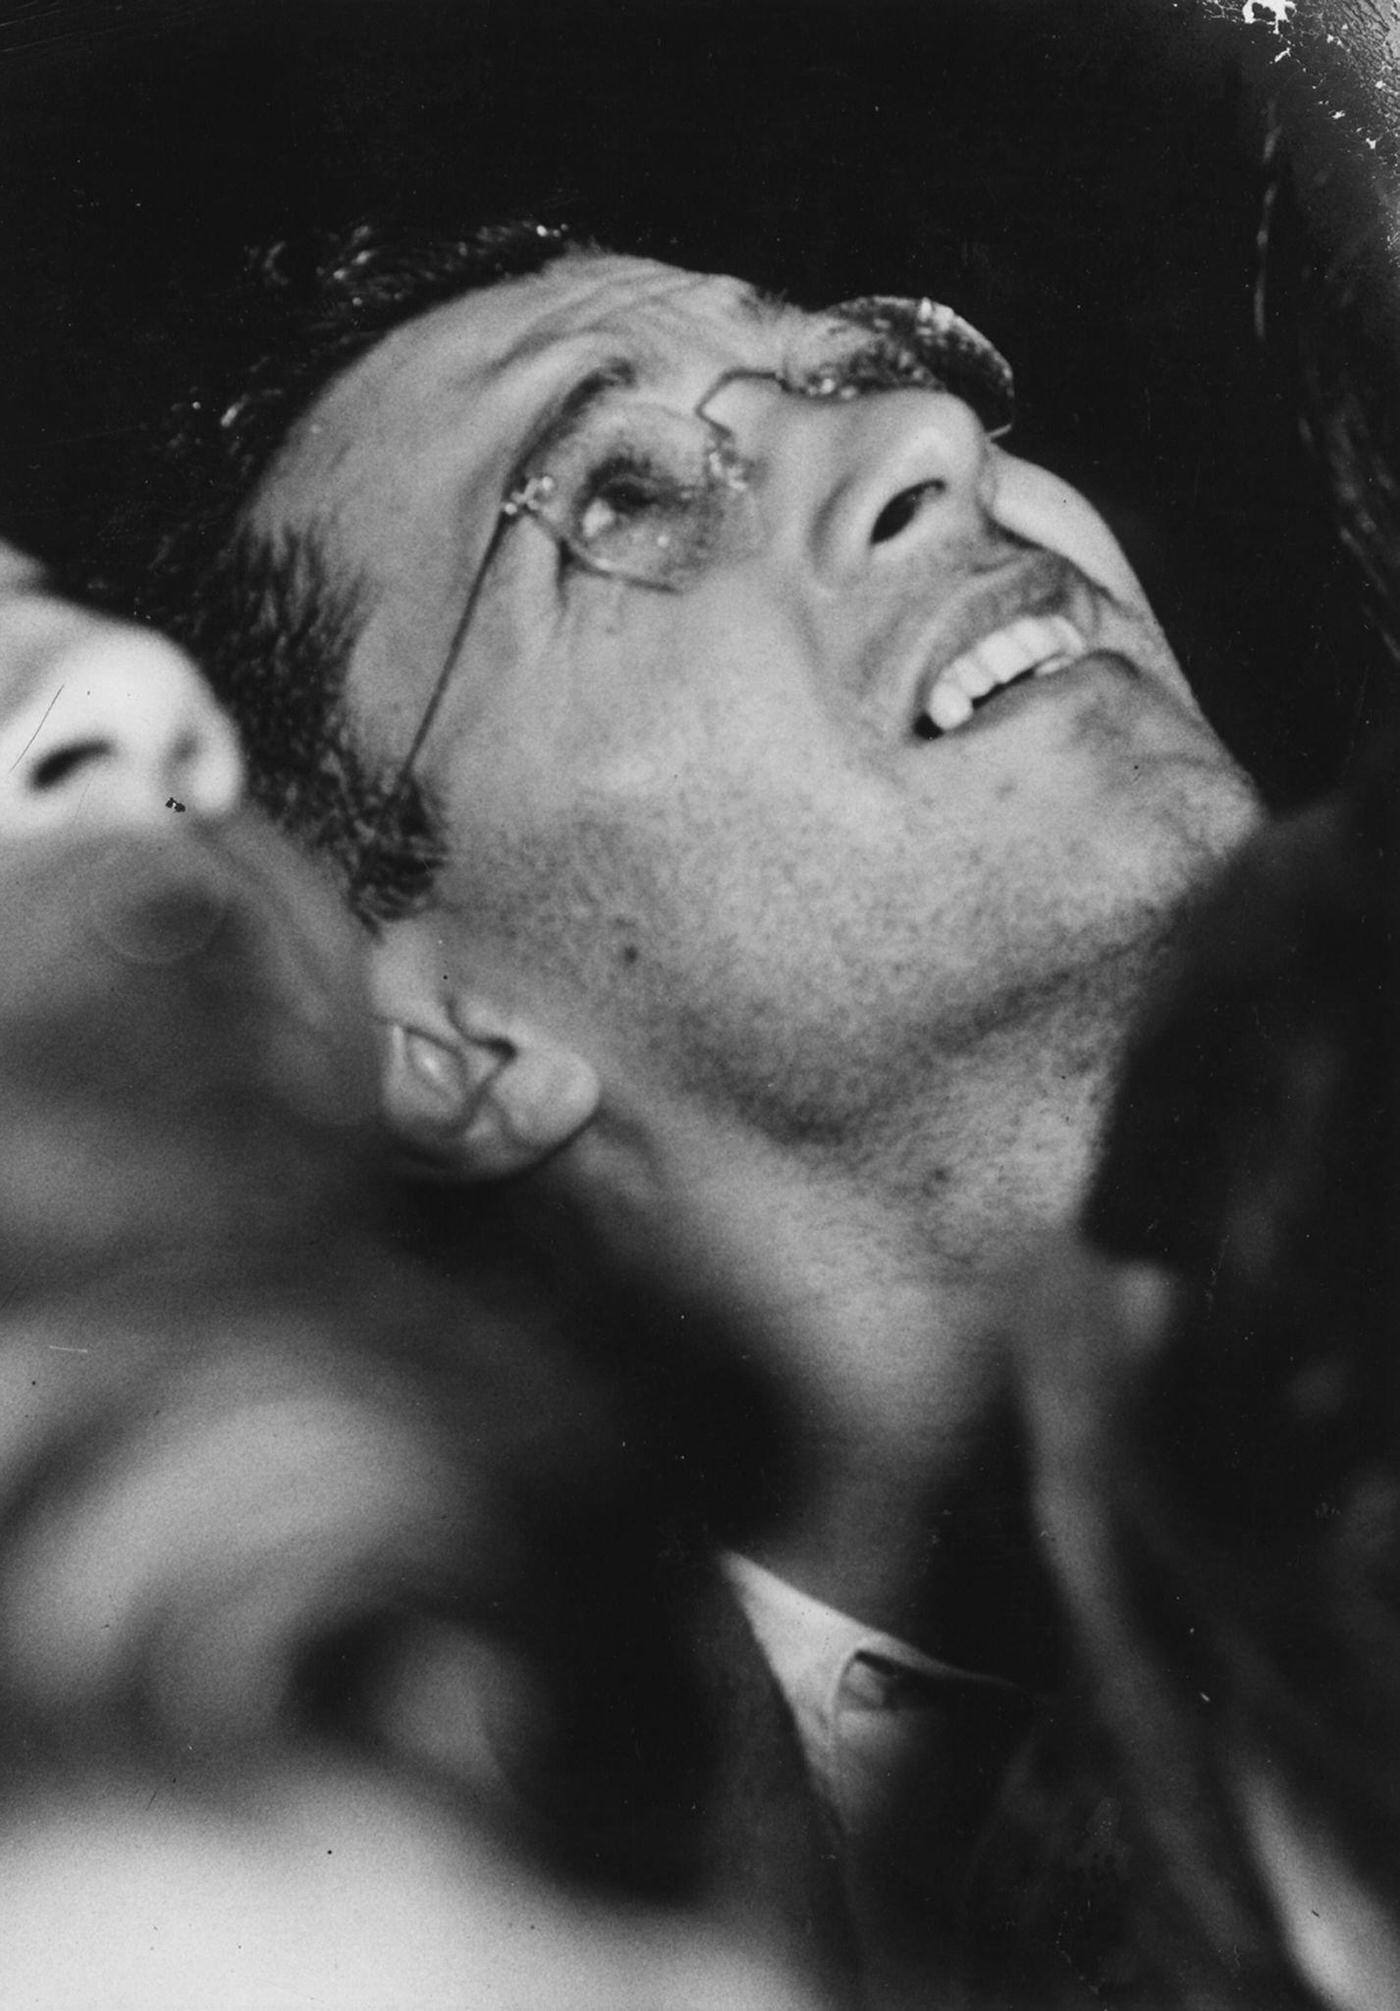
column 264, row 1473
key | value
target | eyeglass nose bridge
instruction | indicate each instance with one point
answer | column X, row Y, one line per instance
column 893, row 343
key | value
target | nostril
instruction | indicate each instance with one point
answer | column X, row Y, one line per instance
column 56, row 768
column 902, row 509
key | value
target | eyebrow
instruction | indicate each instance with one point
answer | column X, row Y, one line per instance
column 755, row 305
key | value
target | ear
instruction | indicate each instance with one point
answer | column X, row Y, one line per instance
column 476, row 1090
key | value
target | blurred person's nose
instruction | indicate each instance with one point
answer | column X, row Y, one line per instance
column 103, row 725
column 855, row 486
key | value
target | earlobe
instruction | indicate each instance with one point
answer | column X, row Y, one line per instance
column 474, row 1091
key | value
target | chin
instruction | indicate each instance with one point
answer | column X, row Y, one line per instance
column 1172, row 812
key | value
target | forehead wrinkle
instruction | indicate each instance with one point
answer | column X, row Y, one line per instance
column 653, row 313
column 634, row 312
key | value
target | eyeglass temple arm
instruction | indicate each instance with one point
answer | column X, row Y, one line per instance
column 369, row 851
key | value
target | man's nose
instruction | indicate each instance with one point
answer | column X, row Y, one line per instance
column 869, row 481
column 103, row 725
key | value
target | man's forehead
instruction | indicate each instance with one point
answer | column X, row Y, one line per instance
column 483, row 352
column 582, row 294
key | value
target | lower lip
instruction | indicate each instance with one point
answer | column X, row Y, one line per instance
column 1014, row 699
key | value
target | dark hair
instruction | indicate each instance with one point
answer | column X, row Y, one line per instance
column 272, row 622
column 1272, row 1420
column 1221, row 1505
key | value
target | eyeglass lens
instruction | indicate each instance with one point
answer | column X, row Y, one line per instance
column 644, row 492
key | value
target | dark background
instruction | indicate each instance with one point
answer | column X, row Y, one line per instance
column 1083, row 178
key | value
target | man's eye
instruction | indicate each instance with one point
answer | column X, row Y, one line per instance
column 647, row 501
column 623, row 497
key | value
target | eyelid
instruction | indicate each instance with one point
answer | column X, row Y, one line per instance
column 566, row 418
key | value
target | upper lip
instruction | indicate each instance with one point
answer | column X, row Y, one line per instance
column 1042, row 583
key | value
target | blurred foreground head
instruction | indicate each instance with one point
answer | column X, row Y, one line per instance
column 341, row 1634
column 1214, row 1396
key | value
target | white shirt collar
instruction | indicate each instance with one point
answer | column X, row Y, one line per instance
column 862, row 1700
column 810, row 1646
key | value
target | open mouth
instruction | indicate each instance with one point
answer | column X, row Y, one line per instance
column 1032, row 646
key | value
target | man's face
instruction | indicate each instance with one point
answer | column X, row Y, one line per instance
column 714, row 827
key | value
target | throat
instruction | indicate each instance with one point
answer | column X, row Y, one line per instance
column 938, row 1554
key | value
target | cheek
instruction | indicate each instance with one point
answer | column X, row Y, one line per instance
column 744, row 939
column 682, row 709
column 636, row 738
column 647, row 687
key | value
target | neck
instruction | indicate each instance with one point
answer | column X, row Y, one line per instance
column 895, row 1354
column 872, row 1286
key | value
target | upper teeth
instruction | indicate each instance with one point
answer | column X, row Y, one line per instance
column 1042, row 643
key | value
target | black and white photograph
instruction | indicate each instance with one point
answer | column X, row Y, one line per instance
column 700, row 1005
